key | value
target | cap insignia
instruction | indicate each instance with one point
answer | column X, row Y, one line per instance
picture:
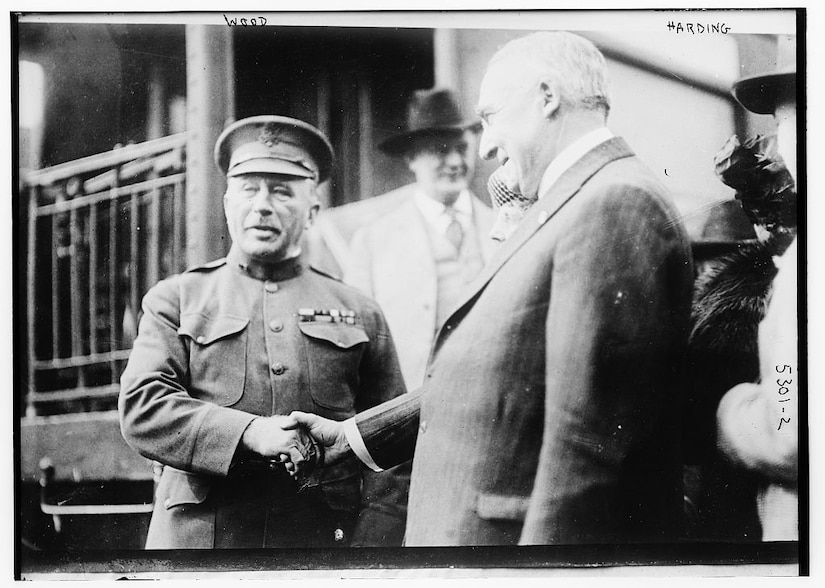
column 269, row 135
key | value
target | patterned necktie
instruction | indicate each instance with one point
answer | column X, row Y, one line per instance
column 455, row 232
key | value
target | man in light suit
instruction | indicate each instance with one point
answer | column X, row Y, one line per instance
column 416, row 259
column 549, row 412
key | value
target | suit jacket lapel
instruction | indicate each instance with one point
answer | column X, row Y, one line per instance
column 406, row 263
column 547, row 206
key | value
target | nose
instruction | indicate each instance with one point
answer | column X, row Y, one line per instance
column 262, row 203
column 486, row 149
column 454, row 159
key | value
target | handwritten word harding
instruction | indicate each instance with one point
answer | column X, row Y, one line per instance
column 245, row 22
column 697, row 28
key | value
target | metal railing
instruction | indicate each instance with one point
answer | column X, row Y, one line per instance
column 101, row 231
column 58, row 511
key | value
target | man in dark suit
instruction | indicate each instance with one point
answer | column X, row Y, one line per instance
column 549, row 411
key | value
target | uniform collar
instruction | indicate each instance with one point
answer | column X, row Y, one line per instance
column 278, row 271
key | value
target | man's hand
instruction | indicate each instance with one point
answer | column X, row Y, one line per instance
column 327, row 433
column 280, row 437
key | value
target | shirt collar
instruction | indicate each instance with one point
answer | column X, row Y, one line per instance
column 432, row 210
column 570, row 155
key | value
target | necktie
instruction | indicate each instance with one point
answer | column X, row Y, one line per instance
column 455, row 232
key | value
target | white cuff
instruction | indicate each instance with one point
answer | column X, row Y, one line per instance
column 356, row 443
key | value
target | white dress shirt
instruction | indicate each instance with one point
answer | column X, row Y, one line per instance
column 435, row 213
column 570, row 155
column 509, row 217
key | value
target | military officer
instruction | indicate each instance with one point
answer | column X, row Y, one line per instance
column 225, row 348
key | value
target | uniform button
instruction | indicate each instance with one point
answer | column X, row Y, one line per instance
column 271, row 287
column 276, row 326
column 200, row 339
column 543, row 217
column 278, row 369
column 339, row 535
column 167, row 502
column 422, row 428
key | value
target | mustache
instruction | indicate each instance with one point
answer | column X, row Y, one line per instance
column 262, row 224
column 450, row 171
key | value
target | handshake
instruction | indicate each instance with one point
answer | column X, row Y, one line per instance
column 301, row 441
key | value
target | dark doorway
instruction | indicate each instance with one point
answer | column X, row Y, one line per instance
column 353, row 83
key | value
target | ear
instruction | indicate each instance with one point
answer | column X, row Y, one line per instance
column 550, row 98
column 227, row 216
column 312, row 213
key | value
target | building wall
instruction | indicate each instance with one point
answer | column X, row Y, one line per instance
column 352, row 83
column 83, row 73
column 100, row 80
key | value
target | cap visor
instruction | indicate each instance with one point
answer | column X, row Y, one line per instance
column 270, row 166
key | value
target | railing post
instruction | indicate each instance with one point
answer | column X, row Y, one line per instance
column 114, row 274
column 31, row 297
column 75, row 261
column 209, row 105
column 89, row 284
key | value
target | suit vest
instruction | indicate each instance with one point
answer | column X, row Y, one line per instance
column 453, row 271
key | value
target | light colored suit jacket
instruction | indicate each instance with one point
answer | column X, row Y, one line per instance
column 327, row 243
column 550, row 408
column 392, row 261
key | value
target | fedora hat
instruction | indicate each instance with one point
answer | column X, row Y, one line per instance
column 761, row 93
column 276, row 145
column 429, row 111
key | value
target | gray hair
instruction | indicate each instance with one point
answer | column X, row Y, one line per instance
column 573, row 62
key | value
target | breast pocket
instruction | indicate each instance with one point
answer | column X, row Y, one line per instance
column 217, row 356
column 334, row 352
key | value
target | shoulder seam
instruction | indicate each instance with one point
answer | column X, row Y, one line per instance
column 324, row 273
column 207, row 266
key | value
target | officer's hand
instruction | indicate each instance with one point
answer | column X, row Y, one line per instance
column 327, row 433
column 279, row 437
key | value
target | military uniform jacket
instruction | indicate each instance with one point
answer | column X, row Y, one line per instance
column 222, row 343
column 549, row 411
